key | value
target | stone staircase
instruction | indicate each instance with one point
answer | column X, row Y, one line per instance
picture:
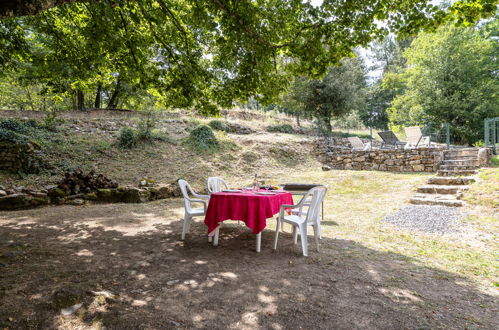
column 458, row 169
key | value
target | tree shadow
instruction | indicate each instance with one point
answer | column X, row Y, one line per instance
column 161, row 282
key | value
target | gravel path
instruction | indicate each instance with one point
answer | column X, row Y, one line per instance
column 429, row 219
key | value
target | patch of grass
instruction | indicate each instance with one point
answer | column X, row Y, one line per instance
column 218, row 125
column 283, row 128
column 485, row 192
column 494, row 161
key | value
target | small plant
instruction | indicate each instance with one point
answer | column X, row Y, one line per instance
column 284, row 128
column 218, row 125
column 52, row 120
column 202, row 138
column 146, row 126
column 127, row 138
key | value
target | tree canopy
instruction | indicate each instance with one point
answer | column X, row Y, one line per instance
column 451, row 77
column 184, row 53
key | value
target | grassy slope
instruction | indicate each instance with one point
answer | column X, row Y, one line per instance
column 355, row 205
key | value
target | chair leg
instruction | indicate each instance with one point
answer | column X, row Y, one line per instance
column 185, row 229
column 295, row 235
column 276, row 234
column 317, row 229
column 215, row 240
column 303, row 238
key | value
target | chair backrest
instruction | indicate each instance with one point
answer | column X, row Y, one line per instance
column 388, row 137
column 184, row 187
column 317, row 194
column 356, row 142
column 414, row 135
column 216, row 184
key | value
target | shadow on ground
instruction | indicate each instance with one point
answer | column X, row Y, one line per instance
column 134, row 252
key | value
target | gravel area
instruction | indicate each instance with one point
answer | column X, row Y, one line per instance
column 429, row 219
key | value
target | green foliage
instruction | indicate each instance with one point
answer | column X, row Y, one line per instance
column 52, row 120
column 146, row 126
column 202, row 138
column 12, row 136
column 451, row 78
column 127, row 138
column 194, row 54
column 284, row 128
column 218, row 125
column 340, row 92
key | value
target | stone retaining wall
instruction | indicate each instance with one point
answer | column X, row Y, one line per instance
column 15, row 157
column 395, row 160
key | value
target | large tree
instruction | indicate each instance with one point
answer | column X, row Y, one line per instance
column 451, row 78
column 206, row 53
column 340, row 92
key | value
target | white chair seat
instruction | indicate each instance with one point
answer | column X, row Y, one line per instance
column 293, row 219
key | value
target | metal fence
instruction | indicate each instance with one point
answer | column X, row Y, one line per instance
column 491, row 133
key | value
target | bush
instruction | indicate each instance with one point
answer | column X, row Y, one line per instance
column 127, row 138
column 202, row 138
column 12, row 136
column 284, row 128
column 146, row 126
column 218, row 125
column 51, row 121
column 13, row 125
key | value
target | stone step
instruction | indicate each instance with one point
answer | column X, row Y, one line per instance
column 458, row 167
column 451, row 180
column 442, row 172
column 465, row 157
column 465, row 162
column 441, row 189
column 461, row 152
column 436, row 199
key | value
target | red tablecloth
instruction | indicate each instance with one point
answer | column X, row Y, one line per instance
column 249, row 207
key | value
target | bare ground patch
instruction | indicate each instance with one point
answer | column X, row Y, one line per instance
column 134, row 252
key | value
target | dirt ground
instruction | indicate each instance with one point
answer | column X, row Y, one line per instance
column 126, row 265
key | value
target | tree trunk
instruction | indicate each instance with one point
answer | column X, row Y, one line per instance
column 80, row 100
column 329, row 127
column 298, row 120
column 98, row 97
column 113, row 101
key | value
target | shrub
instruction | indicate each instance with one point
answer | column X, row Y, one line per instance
column 13, row 125
column 12, row 136
column 284, row 128
column 127, row 138
column 146, row 126
column 202, row 138
column 218, row 125
column 51, row 121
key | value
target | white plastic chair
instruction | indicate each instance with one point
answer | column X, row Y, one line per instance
column 312, row 218
column 216, row 184
column 189, row 211
column 303, row 211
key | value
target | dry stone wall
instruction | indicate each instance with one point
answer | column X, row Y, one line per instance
column 394, row 160
column 15, row 157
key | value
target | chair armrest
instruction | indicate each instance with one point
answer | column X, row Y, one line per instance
column 199, row 201
column 201, row 196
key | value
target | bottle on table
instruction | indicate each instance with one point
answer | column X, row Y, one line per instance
column 256, row 185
